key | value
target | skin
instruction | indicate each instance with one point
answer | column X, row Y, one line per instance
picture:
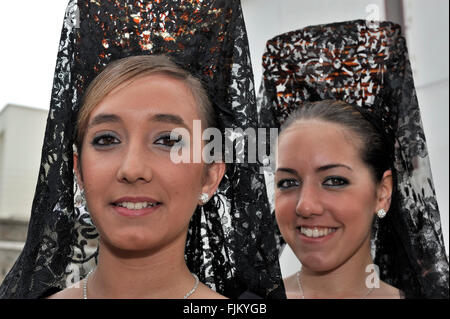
column 321, row 180
column 128, row 154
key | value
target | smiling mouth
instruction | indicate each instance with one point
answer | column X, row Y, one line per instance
column 137, row 206
column 316, row 232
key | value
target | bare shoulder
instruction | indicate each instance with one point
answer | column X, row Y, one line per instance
column 204, row 292
column 72, row 292
column 385, row 291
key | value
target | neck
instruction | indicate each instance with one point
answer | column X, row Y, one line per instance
column 155, row 274
column 346, row 281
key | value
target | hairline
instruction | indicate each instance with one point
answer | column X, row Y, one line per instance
column 170, row 69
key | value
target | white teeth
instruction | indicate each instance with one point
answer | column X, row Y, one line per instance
column 316, row 232
column 135, row 206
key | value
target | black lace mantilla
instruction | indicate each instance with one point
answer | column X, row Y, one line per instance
column 366, row 64
column 229, row 243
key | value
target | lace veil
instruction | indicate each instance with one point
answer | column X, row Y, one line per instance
column 366, row 64
column 229, row 242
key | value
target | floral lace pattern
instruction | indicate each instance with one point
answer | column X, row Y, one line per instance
column 229, row 244
column 367, row 65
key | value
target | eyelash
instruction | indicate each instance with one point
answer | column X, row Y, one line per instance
column 335, row 182
column 169, row 141
column 165, row 140
column 292, row 183
column 97, row 141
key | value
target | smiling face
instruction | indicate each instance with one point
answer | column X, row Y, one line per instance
column 138, row 198
column 325, row 194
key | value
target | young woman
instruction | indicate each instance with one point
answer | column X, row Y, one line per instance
column 228, row 244
column 333, row 177
column 141, row 202
column 342, row 164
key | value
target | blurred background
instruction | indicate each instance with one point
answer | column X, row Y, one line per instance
column 30, row 31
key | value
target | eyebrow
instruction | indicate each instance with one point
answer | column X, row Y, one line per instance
column 319, row 169
column 169, row 118
column 112, row 118
column 104, row 118
column 287, row 170
column 331, row 166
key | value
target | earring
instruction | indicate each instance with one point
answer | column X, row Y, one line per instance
column 381, row 213
column 204, row 198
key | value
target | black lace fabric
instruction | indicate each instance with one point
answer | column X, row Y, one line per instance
column 366, row 64
column 229, row 243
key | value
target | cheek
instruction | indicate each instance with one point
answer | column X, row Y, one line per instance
column 355, row 212
column 285, row 210
column 98, row 173
column 183, row 180
column 100, row 185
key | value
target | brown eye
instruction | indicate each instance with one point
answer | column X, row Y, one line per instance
column 287, row 183
column 105, row 140
column 169, row 140
column 335, row 181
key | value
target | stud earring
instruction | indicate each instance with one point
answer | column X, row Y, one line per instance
column 381, row 213
column 204, row 198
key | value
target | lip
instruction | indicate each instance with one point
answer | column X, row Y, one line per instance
column 318, row 226
column 316, row 240
column 135, row 200
column 123, row 211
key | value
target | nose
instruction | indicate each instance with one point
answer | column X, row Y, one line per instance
column 135, row 165
column 309, row 203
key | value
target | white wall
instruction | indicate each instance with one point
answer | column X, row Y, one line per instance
column 22, row 131
column 427, row 35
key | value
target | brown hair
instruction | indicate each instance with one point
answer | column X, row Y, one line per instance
column 374, row 149
column 123, row 70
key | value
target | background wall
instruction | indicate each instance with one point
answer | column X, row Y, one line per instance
column 21, row 136
column 426, row 25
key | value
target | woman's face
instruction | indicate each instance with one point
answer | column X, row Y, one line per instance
column 138, row 198
column 325, row 194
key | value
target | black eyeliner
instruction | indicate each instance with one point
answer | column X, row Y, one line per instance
column 343, row 181
column 96, row 139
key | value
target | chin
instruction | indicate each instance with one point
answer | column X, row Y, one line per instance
column 132, row 242
column 316, row 263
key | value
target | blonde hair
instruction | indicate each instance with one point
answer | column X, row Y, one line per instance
column 123, row 70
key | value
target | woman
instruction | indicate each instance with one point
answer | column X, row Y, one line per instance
column 140, row 200
column 207, row 39
column 333, row 177
column 364, row 65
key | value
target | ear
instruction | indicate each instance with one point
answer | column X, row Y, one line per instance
column 213, row 175
column 77, row 169
column 384, row 191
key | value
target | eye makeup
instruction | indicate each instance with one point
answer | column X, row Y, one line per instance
column 336, row 181
column 104, row 140
column 169, row 140
column 287, row 183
